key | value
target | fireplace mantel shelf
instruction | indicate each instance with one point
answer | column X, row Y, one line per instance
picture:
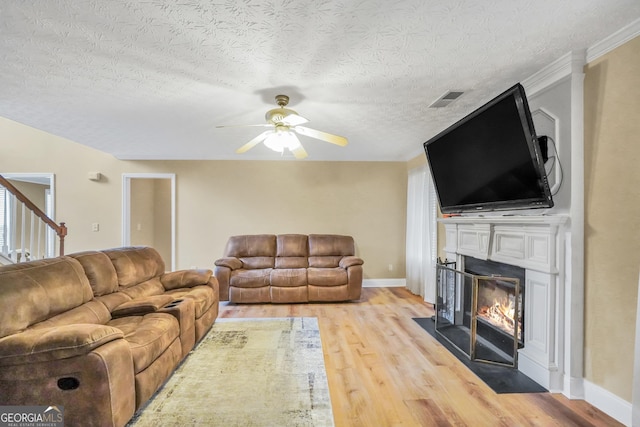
column 507, row 219
column 524, row 240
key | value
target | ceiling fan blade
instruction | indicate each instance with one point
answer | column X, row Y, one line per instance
column 298, row 151
column 334, row 139
column 255, row 141
column 245, row 126
column 294, row 120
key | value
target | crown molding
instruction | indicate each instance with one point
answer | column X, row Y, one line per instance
column 618, row 38
column 557, row 71
column 573, row 62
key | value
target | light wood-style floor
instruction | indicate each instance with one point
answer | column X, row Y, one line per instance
column 385, row 370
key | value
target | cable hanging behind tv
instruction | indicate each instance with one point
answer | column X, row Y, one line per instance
column 490, row 160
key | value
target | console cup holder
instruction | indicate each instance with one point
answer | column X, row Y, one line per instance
column 68, row 383
column 174, row 303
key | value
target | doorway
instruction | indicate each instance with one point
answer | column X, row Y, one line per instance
column 40, row 190
column 148, row 213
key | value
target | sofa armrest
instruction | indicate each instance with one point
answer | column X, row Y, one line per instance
column 350, row 261
column 56, row 343
column 185, row 278
column 232, row 263
column 223, row 276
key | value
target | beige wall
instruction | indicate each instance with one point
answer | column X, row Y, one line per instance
column 34, row 192
column 612, row 216
column 216, row 199
column 150, row 210
column 142, row 208
column 162, row 218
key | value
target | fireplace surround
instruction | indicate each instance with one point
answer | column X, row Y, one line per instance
column 479, row 313
column 536, row 244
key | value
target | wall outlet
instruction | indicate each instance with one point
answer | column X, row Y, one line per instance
column 390, row 267
column 95, row 227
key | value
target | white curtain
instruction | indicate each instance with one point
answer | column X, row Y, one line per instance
column 421, row 234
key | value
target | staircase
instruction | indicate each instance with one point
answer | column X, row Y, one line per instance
column 26, row 232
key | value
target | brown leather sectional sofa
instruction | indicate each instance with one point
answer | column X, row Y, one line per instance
column 289, row 268
column 98, row 332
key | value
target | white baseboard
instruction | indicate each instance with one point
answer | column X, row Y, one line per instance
column 384, row 283
column 607, row 402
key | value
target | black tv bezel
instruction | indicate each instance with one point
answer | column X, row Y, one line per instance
column 545, row 200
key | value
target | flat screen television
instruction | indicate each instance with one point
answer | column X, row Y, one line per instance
column 490, row 160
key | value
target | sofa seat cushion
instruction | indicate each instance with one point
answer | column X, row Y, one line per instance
column 327, row 276
column 203, row 297
column 250, row 278
column 288, row 277
column 148, row 336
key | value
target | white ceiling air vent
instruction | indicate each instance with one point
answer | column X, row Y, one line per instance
column 446, row 99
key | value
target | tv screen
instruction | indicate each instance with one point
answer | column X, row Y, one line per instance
column 490, row 160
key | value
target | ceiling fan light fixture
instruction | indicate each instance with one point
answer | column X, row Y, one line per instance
column 285, row 124
column 280, row 140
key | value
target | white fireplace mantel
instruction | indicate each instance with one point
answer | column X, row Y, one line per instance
column 537, row 244
column 529, row 242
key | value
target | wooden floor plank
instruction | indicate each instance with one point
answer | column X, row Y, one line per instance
column 384, row 370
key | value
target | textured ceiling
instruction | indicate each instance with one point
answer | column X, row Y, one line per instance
column 151, row 79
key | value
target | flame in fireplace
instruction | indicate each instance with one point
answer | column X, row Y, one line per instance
column 501, row 314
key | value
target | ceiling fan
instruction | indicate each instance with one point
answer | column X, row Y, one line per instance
column 284, row 124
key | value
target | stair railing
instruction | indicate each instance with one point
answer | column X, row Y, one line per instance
column 23, row 253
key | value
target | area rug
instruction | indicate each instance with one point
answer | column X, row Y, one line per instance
column 247, row 372
column 501, row 379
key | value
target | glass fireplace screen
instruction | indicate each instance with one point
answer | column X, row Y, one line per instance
column 479, row 315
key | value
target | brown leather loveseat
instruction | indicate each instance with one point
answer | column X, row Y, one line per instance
column 98, row 332
column 289, row 268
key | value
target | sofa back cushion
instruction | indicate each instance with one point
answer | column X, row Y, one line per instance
column 292, row 251
column 326, row 250
column 255, row 251
column 135, row 264
column 147, row 288
column 99, row 270
column 35, row 291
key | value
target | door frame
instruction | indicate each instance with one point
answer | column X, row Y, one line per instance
column 126, row 208
column 49, row 209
